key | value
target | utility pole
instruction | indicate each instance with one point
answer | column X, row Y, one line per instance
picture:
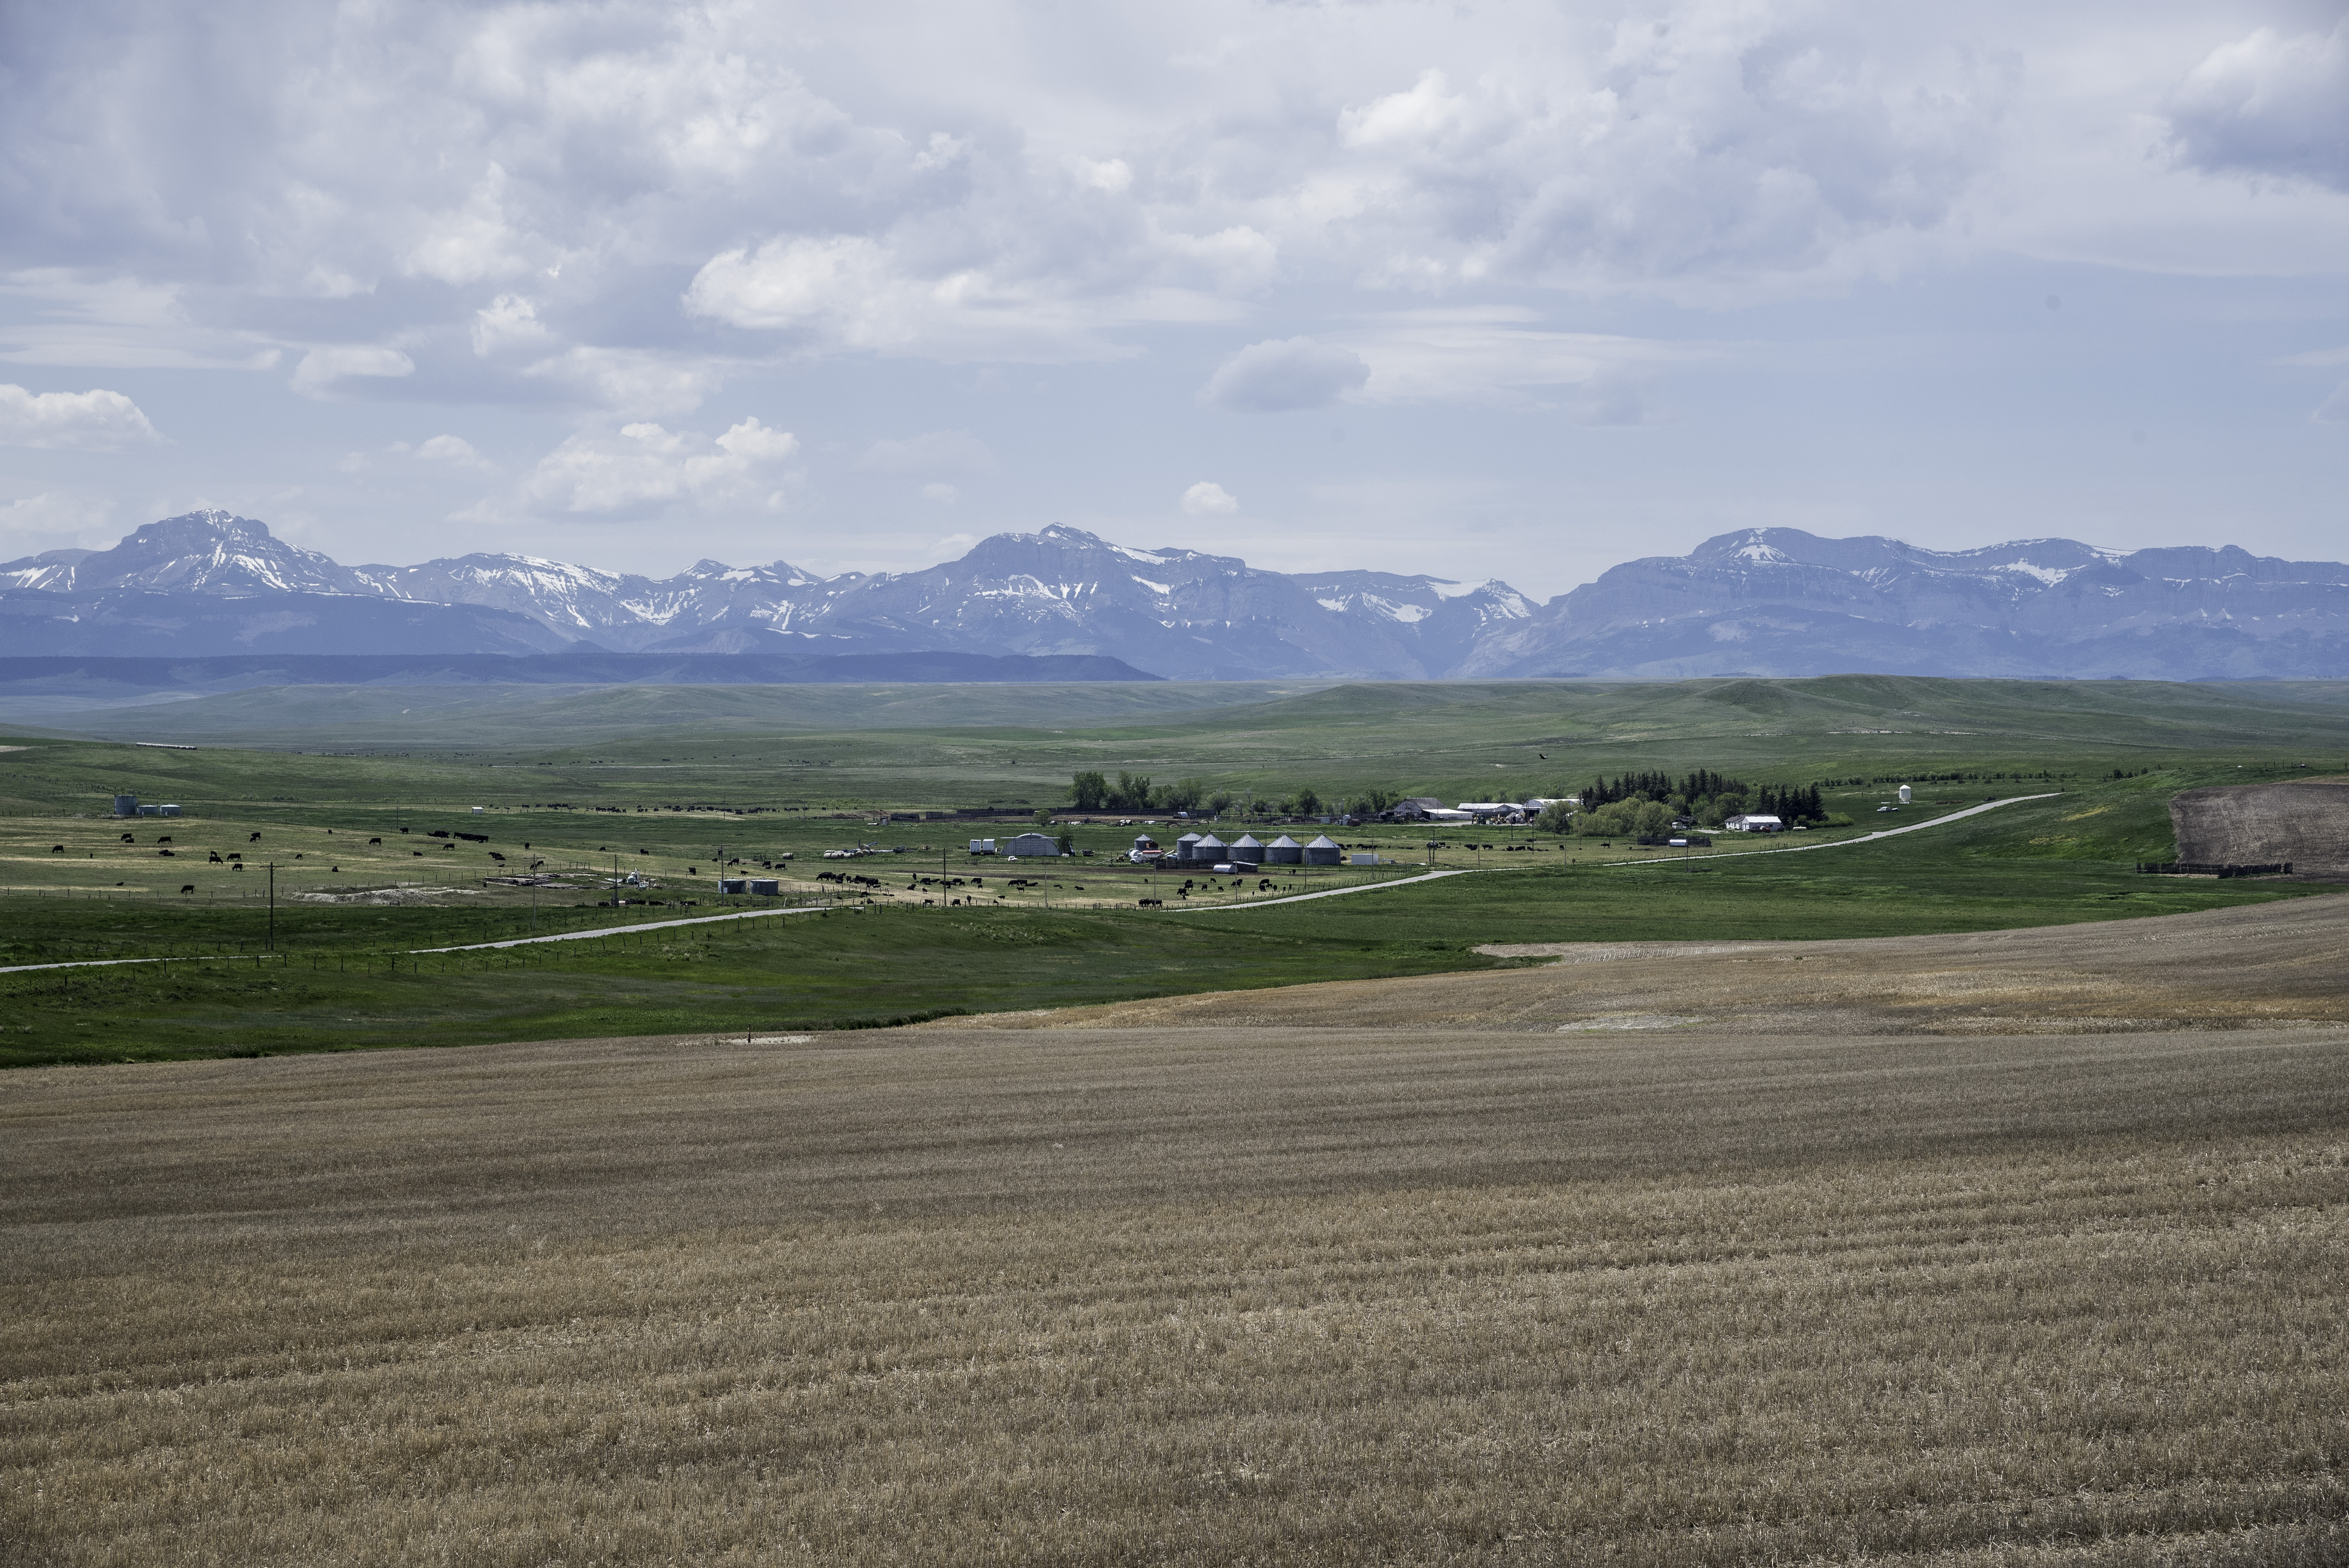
column 273, row 907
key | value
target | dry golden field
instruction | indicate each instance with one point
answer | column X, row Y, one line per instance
column 2257, row 966
column 1281, row 1294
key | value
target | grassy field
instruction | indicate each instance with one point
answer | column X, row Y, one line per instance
column 362, row 882
column 793, row 750
column 1204, row 1297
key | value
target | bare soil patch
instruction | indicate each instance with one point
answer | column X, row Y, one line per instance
column 2304, row 821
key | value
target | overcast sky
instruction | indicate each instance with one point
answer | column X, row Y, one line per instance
column 1486, row 289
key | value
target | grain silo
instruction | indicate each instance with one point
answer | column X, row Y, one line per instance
column 1284, row 851
column 1245, row 850
column 1324, row 850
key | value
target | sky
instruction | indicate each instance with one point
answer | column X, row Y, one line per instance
column 1482, row 290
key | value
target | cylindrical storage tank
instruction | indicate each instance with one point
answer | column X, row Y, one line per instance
column 1284, row 851
column 1904, row 794
column 1186, row 848
column 1245, row 850
column 126, row 805
column 1323, row 851
column 1208, row 850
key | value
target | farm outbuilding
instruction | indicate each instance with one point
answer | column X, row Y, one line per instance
column 1754, row 822
column 765, row 887
column 1245, row 850
column 1208, row 849
column 1032, row 846
column 1186, row 848
column 1323, row 850
column 1284, row 851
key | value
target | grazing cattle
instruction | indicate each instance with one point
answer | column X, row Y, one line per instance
column 128, row 839
column 215, row 860
column 164, row 839
column 254, row 839
column 188, row 887
column 493, row 855
column 374, row 840
column 57, row 849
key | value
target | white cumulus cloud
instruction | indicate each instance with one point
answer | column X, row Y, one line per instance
column 2269, row 104
column 642, row 468
column 452, row 452
column 97, row 418
column 1285, row 374
column 322, row 367
column 1207, row 499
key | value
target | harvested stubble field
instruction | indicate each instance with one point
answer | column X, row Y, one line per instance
column 1298, row 1293
column 2256, row 965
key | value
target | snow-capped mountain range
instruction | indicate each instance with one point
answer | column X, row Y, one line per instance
column 1757, row 601
column 1176, row 613
column 1777, row 601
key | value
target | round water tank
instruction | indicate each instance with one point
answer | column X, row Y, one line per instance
column 1904, row 794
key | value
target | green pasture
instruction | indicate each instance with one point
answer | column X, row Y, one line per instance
column 802, row 750
column 362, row 883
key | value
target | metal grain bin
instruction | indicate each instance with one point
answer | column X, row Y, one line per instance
column 1323, row 851
column 1284, row 851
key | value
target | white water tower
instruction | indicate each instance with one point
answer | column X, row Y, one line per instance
column 1904, row 794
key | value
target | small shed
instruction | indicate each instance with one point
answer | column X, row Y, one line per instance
column 1323, row 850
column 766, row 887
column 1245, row 850
column 1284, row 851
column 733, row 884
column 1754, row 822
column 1032, row 846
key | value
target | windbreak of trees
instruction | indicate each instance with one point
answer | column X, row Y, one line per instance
column 1640, row 803
column 1094, row 791
column 1097, row 792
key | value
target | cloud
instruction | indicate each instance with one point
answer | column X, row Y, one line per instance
column 451, row 451
column 322, row 367
column 853, row 293
column 2270, row 105
column 944, row 494
column 936, row 452
column 1504, row 357
column 1283, row 375
column 97, row 419
column 2334, row 410
column 1209, row 500
column 509, row 322
column 58, row 521
column 630, row 381
column 642, row 468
